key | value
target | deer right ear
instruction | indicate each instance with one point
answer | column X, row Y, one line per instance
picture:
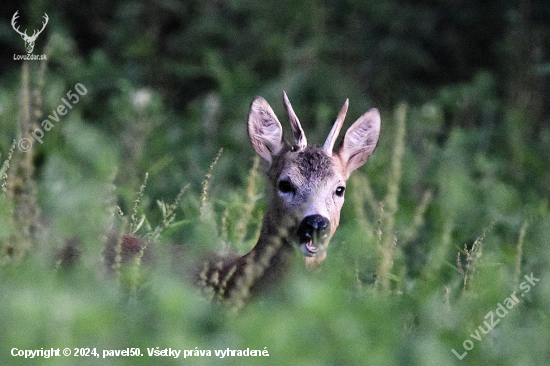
column 266, row 133
column 360, row 140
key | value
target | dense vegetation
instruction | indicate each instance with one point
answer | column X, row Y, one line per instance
column 439, row 231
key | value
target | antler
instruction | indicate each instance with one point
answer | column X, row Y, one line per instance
column 45, row 16
column 333, row 135
column 24, row 34
column 15, row 16
column 299, row 135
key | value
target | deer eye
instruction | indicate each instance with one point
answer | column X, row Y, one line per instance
column 285, row 187
column 340, row 191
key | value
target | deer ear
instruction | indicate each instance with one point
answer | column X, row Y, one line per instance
column 265, row 130
column 360, row 140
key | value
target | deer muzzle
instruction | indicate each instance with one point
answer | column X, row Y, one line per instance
column 314, row 232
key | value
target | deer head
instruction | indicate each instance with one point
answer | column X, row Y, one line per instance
column 307, row 183
column 29, row 40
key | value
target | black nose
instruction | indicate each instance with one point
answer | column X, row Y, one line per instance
column 314, row 226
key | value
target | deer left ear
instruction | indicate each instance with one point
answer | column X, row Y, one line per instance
column 360, row 140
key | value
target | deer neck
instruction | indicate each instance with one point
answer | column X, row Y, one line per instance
column 235, row 278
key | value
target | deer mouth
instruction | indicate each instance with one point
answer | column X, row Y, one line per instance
column 311, row 246
column 309, row 249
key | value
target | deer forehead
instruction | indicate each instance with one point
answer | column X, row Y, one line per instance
column 307, row 168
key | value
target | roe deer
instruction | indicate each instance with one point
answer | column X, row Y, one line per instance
column 306, row 193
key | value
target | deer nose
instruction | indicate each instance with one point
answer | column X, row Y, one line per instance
column 314, row 227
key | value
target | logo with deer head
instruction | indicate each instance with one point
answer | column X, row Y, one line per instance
column 29, row 40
